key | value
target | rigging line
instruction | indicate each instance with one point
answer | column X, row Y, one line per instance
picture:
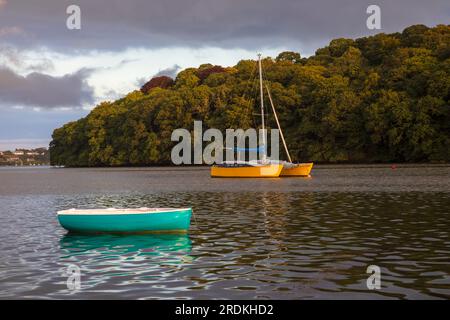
column 278, row 123
column 276, row 117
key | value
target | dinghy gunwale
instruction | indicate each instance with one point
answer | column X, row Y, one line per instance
column 119, row 211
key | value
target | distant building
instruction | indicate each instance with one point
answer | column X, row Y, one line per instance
column 31, row 157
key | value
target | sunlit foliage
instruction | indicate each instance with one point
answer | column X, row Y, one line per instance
column 375, row 99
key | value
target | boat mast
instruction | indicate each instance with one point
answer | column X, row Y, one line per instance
column 262, row 107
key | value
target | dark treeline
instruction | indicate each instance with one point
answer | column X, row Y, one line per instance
column 374, row 99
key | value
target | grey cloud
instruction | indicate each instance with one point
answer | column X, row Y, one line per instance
column 127, row 61
column 119, row 65
column 12, row 56
column 112, row 95
column 250, row 24
column 170, row 72
column 45, row 91
column 41, row 66
column 140, row 82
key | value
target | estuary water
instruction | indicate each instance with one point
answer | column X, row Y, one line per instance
column 285, row 238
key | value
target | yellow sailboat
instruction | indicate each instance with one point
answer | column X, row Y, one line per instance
column 264, row 168
column 296, row 169
column 242, row 169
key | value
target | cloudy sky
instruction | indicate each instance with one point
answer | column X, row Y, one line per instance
column 50, row 75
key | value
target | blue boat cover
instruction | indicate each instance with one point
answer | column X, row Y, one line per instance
column 259, row 149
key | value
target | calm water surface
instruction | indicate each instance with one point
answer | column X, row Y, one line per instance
column 251, row 239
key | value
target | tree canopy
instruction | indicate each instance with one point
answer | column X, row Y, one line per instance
column 375, row 99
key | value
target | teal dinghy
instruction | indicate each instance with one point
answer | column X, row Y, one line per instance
column 140, row 220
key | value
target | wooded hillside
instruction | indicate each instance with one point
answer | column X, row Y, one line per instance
column 374, row 99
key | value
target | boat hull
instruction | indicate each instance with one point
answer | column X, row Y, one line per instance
column 263, row 171
column 177, row 221
column 300, row 169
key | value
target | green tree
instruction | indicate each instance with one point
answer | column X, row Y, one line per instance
column 379, row 98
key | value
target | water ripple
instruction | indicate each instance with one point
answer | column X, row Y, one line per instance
column 245, row 245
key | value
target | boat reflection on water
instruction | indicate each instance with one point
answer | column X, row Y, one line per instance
column 108, row 263
column 175, row 247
